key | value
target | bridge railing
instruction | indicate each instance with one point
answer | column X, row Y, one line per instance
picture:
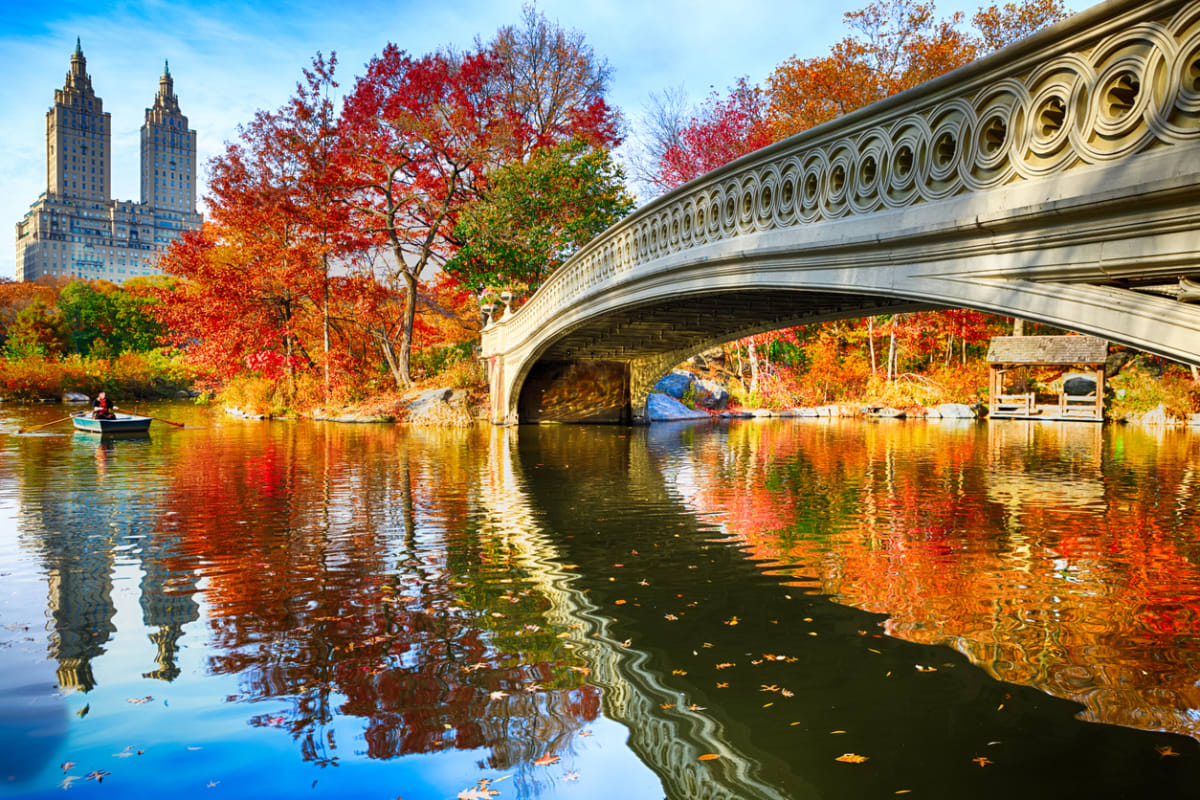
column 1116, row 80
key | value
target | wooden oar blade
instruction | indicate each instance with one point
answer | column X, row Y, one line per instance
column 33, row 428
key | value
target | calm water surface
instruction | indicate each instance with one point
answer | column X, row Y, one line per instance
column 250, row 609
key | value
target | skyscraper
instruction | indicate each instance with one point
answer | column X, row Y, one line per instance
column 74, row 228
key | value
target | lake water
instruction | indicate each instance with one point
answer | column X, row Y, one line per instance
column 296, row 609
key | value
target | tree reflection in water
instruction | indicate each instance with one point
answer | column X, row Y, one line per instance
column 1061, row 556
column 362, row 576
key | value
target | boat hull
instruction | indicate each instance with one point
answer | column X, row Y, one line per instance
column 124, row 423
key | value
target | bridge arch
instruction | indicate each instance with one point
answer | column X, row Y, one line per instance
column 1057, row 181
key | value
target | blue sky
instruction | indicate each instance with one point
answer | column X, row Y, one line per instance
column 231, row 58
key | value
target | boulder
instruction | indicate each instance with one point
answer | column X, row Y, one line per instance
column 807, row 412
column 955, row 411
column 888, row 412
column 663, row 408
column 931, row 412
column 428, row 399
column 711, row 395
column 674, row 384
column 75, row 397
column 762, row 412
column 1078, row 385
column 736, row 414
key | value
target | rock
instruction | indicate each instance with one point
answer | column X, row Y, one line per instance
column 675, row 384
column 711, row 395
column 240, row 414
column 807, row 412
column 428, row 399
column 75, row 397
column 762, row 412
column 931, row 412
column 955, row 411
column 663, row 408
column 1156, row 416
column 1193, row 419
column 888, row 413
column 1078, row 385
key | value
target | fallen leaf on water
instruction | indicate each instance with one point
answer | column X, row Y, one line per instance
column 708, row 757
column 694, row 707
column 480, row 792
column 725, row 665
column 1165, row 750
column 851, row 758
column 627, row 643
column 546, row 760
column 137, row 701
column 768, row 705
column 581, row 670
column 666, row 705
column 585, row 733
column 66, row 765
column 671, row 617
column 902, row 791
column 83, row 712
column 619, row 602
column 67, row 781
column 679, row 672
column 571, row 776
column 97, row 775
column 786, row 693
column 212, row 784
column 835, row 732
column 925, row 669
column 769, row 688
column 732, row 620
column 982, row 761
column 723, row 685
column 498, row 695
column 708, row 644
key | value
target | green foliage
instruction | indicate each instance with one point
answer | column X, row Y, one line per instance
column 535, row 214
column 108, row 318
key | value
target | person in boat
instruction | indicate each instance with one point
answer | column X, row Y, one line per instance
column 102, row 408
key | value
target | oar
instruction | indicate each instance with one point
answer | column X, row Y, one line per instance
column 44, row 424
column 160, row 419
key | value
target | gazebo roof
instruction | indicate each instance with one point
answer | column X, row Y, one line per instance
column 1047, row 350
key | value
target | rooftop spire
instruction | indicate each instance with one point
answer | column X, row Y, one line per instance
column 166, row 68
column 78, row 47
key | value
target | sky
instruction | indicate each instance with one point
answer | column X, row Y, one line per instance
column 230, row 59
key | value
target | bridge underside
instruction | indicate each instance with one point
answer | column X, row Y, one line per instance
column 603, row 370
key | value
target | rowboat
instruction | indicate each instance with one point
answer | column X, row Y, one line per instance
column 123, row 423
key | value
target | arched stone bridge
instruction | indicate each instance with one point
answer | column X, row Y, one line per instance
column 1057, row 181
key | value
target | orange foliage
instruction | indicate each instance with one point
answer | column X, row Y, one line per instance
column 896, row 45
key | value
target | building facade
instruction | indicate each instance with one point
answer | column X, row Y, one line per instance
column 75, row 229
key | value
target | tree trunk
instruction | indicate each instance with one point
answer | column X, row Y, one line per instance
column 402, row 373
column 871, row 343
column 325, row 322
column 891, row 363
column 753, row 367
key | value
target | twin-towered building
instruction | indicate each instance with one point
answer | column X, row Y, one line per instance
column 74, row 229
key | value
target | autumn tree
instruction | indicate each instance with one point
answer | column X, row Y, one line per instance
column 535, row 214
column 424, row 135
column 895, row 45
column 259, row 270
column 421, row 134
column 552, row 80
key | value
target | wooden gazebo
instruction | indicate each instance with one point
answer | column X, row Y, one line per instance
column 1082, row 396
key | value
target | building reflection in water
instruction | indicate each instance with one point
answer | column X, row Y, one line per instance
column 82, row 517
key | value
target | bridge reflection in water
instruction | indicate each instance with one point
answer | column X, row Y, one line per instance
column 668, row 740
